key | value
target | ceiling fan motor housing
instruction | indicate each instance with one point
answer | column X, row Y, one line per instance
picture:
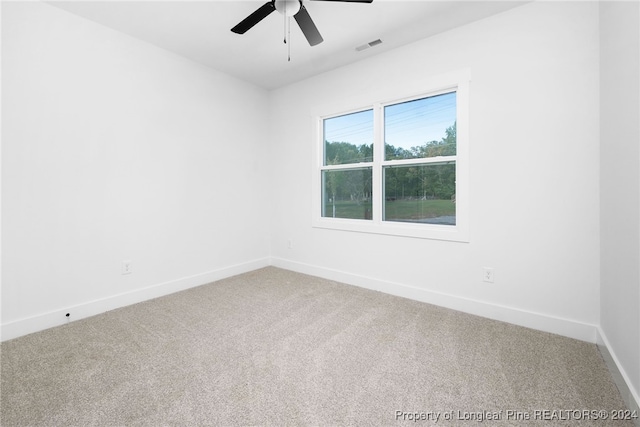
column 288, row 7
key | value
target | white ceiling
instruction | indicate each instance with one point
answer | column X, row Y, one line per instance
column 200, row 30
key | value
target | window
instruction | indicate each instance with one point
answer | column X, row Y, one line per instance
column 346, row 182
column 419, row 167
column 396, row 167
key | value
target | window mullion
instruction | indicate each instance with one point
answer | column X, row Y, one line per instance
column 347, row 166
column 378, row 158
column 421, row 161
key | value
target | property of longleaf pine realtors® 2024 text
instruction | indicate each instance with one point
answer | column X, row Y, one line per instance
column 515, row 415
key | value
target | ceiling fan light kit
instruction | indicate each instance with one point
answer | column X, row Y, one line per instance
column 288, row 8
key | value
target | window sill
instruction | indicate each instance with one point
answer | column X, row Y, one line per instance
column 452, row 233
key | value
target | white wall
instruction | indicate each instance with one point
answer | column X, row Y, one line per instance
column 534, row 147
column 112, row 150
column 620, row 186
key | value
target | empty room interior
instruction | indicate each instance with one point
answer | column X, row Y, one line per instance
column 344, row 212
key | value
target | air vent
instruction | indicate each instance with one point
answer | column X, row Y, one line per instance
column 368, row 45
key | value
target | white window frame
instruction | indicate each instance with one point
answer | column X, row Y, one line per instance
column 455, row 81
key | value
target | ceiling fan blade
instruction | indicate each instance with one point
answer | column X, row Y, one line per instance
column 307, row 26
column 257, row 16
column 349, row 1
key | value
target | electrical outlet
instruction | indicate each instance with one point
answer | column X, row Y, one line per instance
column 126, row 267
column 290, row 244
column 487, row 274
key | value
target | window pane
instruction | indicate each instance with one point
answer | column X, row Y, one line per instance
column 420, row 193
column 346, row 193
column 421, row 128
column 348, row 138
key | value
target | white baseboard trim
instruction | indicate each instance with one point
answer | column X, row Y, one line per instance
column 630, row 395
column 556, row 325
column 541, row 322
column 54, row 318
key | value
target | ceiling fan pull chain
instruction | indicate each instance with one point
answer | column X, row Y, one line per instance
column 287, row 31
column 289, row 39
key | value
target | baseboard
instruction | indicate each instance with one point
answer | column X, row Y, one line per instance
column 54, row 318
column 565, row 327
column 627, row 391
column 541, row 322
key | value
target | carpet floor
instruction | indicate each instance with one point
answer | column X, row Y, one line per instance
column 273, row 347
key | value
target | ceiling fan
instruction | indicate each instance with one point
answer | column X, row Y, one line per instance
column 288, row 8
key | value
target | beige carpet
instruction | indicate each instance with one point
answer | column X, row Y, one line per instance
column 272, row 347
